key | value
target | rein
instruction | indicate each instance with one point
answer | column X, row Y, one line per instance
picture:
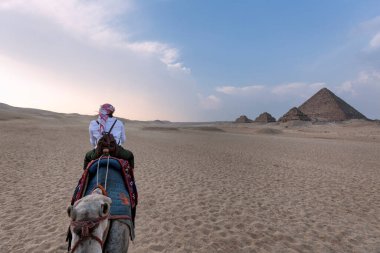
column 97, row 173
column 85, row 227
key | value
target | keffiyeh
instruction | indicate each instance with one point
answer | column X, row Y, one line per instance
column 104, row 112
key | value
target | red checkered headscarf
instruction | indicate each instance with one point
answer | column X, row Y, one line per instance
column 104, row 112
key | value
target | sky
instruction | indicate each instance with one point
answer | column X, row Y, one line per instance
column 182, row 60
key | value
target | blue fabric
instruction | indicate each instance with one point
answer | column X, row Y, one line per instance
column 115, row 186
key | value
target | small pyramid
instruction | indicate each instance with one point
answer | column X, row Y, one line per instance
column 265, row 117
column 243, row 119
column 326, row 106
column 294, row 114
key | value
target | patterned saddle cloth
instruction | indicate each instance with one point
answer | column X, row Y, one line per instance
column 116, row 177
column 112, row 181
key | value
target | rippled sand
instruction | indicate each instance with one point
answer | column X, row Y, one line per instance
column 217, row 188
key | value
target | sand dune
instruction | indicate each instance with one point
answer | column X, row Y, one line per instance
column 155, row 128
column 240, row 190
column 268, row 131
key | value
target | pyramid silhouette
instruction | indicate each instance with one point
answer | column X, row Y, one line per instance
column 243, row 119
column 326, row 106
column 294, row 114
column 265, row 117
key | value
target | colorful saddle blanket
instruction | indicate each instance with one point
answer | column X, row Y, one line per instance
column 118, row 181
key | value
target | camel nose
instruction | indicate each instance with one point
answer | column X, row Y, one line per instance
column 104, row 209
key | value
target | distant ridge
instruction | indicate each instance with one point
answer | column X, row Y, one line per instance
column 8, row 112
column 326, row 106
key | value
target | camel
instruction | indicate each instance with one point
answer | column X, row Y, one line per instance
column 92, row 230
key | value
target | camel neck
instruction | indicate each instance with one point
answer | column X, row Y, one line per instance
column 89, row 245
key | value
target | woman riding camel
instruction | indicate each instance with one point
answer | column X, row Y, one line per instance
column 107, row 124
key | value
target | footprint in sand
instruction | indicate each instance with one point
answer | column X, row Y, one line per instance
column 157, row 248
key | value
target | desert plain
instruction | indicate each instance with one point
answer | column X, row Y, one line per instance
column 203, row 187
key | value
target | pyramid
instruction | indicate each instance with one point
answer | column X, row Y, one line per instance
column 326, row 106
column 265, row 117
column 294, row 114
column 243, row 119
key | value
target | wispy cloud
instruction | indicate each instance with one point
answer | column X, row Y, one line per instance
column 370, row 28
column 365, row 80
column 245, row 90
column 370, row 25
column 76, row 42
column 92, row 21
column 298, row 89
column 210, row 102
column 347, row 87
column 375, row 41
column 363, row 92
column 166, row 54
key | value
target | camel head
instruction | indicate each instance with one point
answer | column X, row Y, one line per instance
column 89, row 222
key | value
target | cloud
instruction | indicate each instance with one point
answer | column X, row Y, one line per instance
column 370, row 25
column 297, row 89
column 364, row 80
column 246, row 90
column 371, row 29
column 363, row 92
column 210, row 102
column 347, row 87
column 289, row 89
column 86, row 18
column 375, row 41
column 166, row 54
column 47, row 46
column 92, row 21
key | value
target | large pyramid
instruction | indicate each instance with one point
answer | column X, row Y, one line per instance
column 326, row 106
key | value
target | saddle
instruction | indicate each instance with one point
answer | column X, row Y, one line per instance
column 118, row 181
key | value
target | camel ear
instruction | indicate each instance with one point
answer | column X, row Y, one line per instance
column 104, row 209
column 69, row 210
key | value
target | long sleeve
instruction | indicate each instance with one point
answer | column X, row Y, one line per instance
column 92, row 129
column 92, row 141
column 123, row 137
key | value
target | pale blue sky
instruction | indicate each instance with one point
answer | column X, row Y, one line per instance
column 188, row 60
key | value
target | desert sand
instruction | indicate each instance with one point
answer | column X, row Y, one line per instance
column 217, row 187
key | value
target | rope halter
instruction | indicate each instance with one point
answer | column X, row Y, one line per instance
column 84, row 228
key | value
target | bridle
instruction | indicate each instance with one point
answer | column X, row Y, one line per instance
column 84, row 229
